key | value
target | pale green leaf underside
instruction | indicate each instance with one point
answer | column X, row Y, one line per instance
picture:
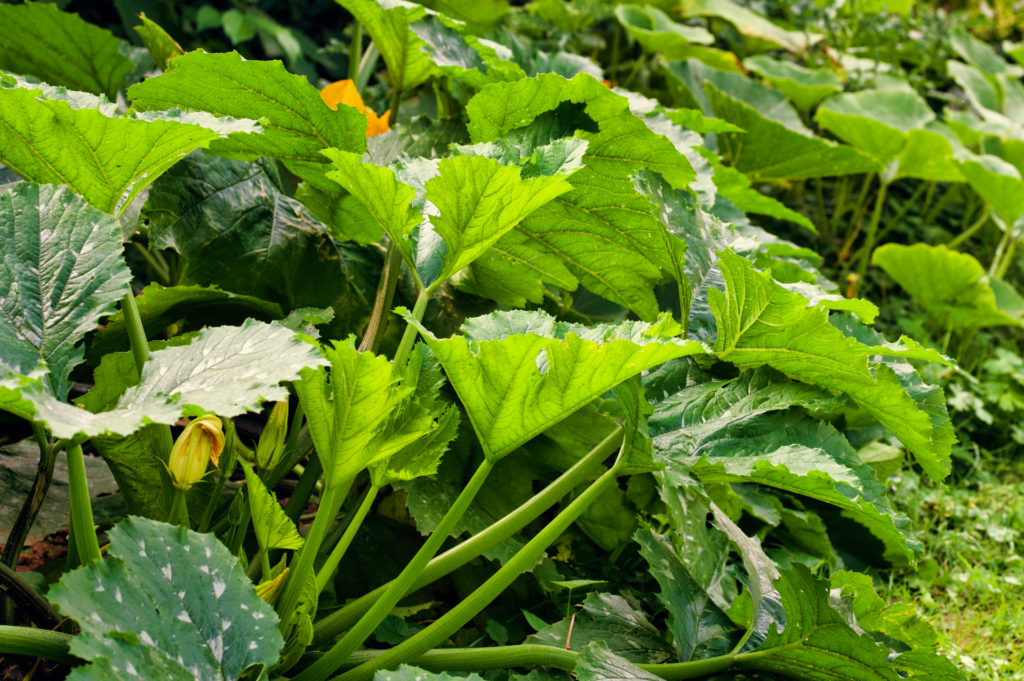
column 805, row 87
column 518, row 373
column 744, row 430
column 62, row 49
column 770, row 151
column 170, row 599
column 951, row 286
column 62, row 271
column 273, row 528
column 227, row 370
column 108, row 161
column 296, row 122
column 875, row 121
column 816, row 640
column 760, row 322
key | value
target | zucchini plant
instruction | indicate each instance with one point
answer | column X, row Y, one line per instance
column 524, row 313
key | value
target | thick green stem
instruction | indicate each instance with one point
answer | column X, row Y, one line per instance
column 457, row 556
column 355, row 50
column 304, row 489
column 362, row 629
column 81, row 507
column 533, row 655
column 1007, row 259
column 159, row 436
column 41, row 643
column 523, row 560
column 409, row 335
column 328, row 568
column 872, row 233
column 963, row 236
column 382, row 302
column 35, row 606
column 136, row 331
column 302, row 566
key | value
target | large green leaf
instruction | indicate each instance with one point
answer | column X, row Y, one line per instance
column 771, row 151
column 749, row 23
column 480, row 200
column 760, row 322
column 471, row 200
column 227, row 370
column 1000, row 184
column 62, row 49
column 657, row 32
column 215, row 211
column 597, row 662
column 417, row 43
column 610, row 619
column 518, row 373
column 951, row 286
column 746, row 430
column 296, row 122
column 805, row 87
column 108, row 160
column 875, row 121
column 695, row 619
column 391, row 204
column 166, row 602
column 345, row 404
column 420, row 426
column 62, row 271
column 603, row 232
column 816, row 639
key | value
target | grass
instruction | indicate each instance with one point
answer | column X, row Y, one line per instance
column 969, row 582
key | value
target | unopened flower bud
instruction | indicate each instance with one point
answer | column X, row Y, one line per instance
column 271, row 443
column 202, row 441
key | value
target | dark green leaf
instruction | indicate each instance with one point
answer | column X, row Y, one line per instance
column 62, row 271
column 167, row 599
column 608, row 618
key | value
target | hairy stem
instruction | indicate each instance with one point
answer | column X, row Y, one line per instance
column 41, row 643
column 457, row 556
column 35, row 606
column 382, row 302
column 362, row 629
column 872, row 233
column 328, row 568
column 81, row 507
column 301, row 568
column 409, row 335
column 454, row 619
column 533, row 655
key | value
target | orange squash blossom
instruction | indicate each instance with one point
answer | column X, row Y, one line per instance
column 345, row 92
